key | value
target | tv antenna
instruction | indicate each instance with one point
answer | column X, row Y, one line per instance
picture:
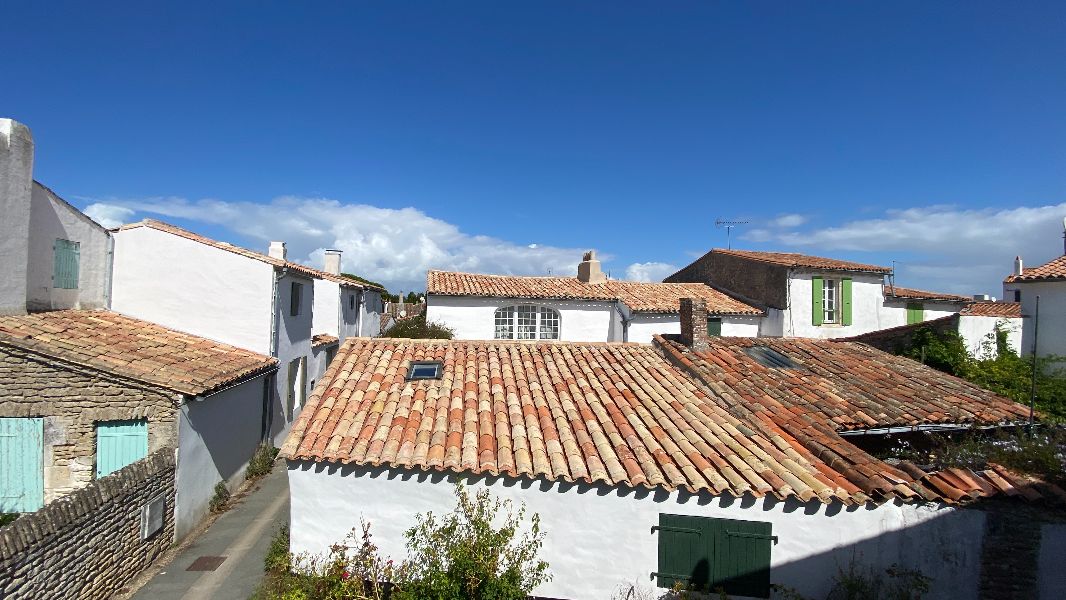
column 729, row 225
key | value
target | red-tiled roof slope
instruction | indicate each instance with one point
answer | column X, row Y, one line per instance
column 994, row 309
column 1053, row 269
column 913, row 294
column 277, row 262
column 323, row 339
column 132, row 348
column 621, row 414
column 791, row 259
column 638, row 296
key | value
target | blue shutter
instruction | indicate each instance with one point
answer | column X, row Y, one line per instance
column 119, row 443
column 67, row 260
column 21, row 465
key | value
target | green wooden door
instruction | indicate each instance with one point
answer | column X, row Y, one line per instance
column 119, row 443
column 21, row 464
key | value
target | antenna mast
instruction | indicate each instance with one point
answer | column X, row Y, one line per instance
column 729, row 225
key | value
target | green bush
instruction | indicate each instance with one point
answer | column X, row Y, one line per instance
column 220, row 501
column 262, row 462
column 416, row 327
column 6, row 518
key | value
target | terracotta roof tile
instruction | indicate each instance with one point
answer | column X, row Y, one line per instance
column 911, row 293
column 133, row 348
column 323, row 339
column 790, row 259
column 1053, row 269
column 638, row 296
column 994, row 309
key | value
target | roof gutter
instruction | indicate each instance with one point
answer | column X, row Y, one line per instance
column 923, row 428
column 241, row 381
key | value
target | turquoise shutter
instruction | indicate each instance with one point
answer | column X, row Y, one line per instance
column 816, row 301
column 119, row 443
column 706, row 554
column 714, row 326
column 845, row 300
column 21, row 465
column 915, row 313
column 67, row 257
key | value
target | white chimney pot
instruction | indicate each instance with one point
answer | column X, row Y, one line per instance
column 332, row 262
column 278, row 251
column 1018, row 265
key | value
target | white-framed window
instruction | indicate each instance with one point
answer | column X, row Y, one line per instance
column 830, row 300
column 526, row 322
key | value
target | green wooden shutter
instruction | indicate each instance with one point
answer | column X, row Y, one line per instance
column 845, row 301
column 915, row 313
column 707, row 554
column 714, row 326
column 683, row 552
column 21, row 465
column 67, row 256
column 119, row 443
column 817, row 313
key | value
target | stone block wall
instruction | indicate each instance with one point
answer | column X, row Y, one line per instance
column 898, row 339
column 88, row 543
column 762, row 283
column 72, row 400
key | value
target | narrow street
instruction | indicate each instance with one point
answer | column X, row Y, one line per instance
column 240, row 538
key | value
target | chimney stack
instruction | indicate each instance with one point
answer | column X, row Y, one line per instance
column 1018, row 265
column 694, row 324
column 588, row 271
column 16, row 187
column 332, row 262
column 278, row 251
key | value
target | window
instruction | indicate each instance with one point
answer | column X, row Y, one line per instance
column 708, row 553
column 295, row 395
column 714, row 326
column 526, row 322
column 295, row 298
column 351, row 301
column 119, row 443
column 831, row 301
column 1017, row 295
column 915, row 313
column 424, row 370
column 67, row 262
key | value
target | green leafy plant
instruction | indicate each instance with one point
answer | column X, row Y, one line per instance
column 416, row 327
column 465, row 555
column 220, row 501
column 6, row 518
column 262, row 462
column 858, row 582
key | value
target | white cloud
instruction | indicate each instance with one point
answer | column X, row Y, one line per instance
column 393, row 246
column 108, row 215
column 788, row 221
column 649, row 271
column 949, row 248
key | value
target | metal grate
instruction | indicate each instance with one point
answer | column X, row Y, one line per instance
column 206, row 563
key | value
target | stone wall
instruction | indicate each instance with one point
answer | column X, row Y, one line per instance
column 755, row 281
column 72, row 400
column 897, row 339
column 88, row 543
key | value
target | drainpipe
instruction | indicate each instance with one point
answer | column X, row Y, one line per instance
column 1032, row 390
column 625, row 321
column 109, row 268
column 360, row 301
column 270, row 382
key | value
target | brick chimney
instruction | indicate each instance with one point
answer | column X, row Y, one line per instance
column 588, row 271
column 332, row 262
column 278, row 251
column 694, row 324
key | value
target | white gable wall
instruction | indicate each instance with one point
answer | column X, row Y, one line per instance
column 1052, row 314
column 370, row 314
column 599, row 538
column 473, row 318
column 866, row 304
column 193, row 287
column 294, row 343
column 327, row 309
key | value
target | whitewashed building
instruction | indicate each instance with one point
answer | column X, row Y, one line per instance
column 586, row 308
column 343, row 308
column 53, row 256
column 1048, row 281
column 650, row 463
column 816, row 297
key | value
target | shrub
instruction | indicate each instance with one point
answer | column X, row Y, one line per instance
column 855, row 582
column 220, row 501
column 6, row 518
column 262, row 462
column 417, row 327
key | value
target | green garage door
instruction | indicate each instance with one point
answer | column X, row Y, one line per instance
column 21, row 468
column 119, row 443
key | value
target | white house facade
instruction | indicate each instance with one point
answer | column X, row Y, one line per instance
column 1048, row 281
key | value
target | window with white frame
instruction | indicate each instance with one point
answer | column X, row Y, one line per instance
column 526, row 322
column 831, row 301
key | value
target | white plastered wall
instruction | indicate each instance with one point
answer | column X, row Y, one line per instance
column 16, row 183
column 370, row 317
column 600, row 537
column 1052, row 335
column 216, row 438
column 294, row 343
column 473, row 318
column 894, row 312
column 866, row 303
column 978, row 333
column 643, row 326
column 193, row 287
column 327, row 308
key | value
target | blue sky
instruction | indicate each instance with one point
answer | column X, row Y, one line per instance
column 457, row 135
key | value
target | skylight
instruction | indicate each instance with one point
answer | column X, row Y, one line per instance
column 770, row 358
column 424, row 370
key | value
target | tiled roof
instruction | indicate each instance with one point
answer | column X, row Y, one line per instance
column 638, row 296
column 913, row 294
column 790, row 259
column 621, row 414
column 1054, row 269
column 277, row 262
column 132, row 348
column 323, row 339
column 994, row 309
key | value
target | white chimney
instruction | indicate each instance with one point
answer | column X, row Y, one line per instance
column 332, row 262
column 16, row 186
column 1018, row 265
column 278, row 251
column 588, row 271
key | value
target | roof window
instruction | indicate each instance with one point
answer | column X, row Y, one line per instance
column 770, row 358
column 424, row 370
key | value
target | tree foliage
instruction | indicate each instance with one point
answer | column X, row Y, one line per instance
column 417, row 327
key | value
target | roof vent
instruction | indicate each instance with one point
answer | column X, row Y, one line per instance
column 425, row 369
column 770, row 358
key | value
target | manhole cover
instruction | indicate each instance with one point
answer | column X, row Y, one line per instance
column 206, row 563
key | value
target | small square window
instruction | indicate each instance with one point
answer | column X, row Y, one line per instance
column 424, row 370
